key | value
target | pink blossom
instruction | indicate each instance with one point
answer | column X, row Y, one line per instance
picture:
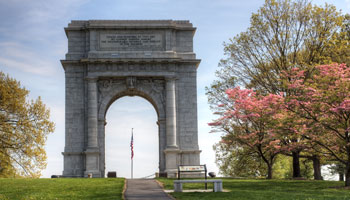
column 217, row 123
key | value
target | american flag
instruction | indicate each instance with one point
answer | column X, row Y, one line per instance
column 132, row 145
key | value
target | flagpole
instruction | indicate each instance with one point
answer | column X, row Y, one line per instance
column 132, row 153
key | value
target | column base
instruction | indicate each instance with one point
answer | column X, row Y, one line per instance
column 74, row 165
column 92, row 157
column 171, row 173
column 172, row 161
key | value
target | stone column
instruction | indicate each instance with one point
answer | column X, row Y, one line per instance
column 92, row 113
column 92, row 149
column 171, row 113
column 102, row 145
column 162, row 143
column 172, row 159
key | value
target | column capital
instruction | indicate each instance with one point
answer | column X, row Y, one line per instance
column 161, row 121
column 170, row 78
column 92, row 150
column 91, row 78
column 102, row 121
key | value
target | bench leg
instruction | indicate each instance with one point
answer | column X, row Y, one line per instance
column 217, row 186
column 177, row 187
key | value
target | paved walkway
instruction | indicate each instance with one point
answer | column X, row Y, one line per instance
column 144, row 189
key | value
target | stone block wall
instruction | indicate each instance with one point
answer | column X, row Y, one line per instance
column 75, row 121
column 187, row 106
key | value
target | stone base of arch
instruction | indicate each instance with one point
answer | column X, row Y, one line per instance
column 92, row 159
column 176, row 157
column 173, row 158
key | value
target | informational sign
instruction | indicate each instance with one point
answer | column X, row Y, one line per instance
column 192, row 168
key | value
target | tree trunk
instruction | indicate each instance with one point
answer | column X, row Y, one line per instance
column 341, row 170
column 269, row 171
column 347, row 175
column 296, row 164
column 341, row 176
column 317, row 168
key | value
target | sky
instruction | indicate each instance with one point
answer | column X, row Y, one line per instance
column 32, row 43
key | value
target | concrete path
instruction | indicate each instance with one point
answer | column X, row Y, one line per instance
column 144, row 189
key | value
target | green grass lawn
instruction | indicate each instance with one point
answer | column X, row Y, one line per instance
column 266, row 189
column 103, row 188
column 62, row 188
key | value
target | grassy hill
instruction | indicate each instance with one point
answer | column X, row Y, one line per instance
column 267, row 189
column 103, row 188
column 61, row 188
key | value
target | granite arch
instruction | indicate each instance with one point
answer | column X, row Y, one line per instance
column 108, row 59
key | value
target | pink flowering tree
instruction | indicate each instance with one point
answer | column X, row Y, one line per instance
column 291, row 130
column 250, row 122
column 322, row 98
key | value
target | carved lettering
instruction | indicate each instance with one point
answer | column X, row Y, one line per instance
column 131, row 41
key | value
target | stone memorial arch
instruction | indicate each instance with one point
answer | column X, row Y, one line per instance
column 109, row 59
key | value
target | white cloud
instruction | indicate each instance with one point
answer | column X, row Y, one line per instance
column 19, row 56
column 38, row 24
column 41, row 11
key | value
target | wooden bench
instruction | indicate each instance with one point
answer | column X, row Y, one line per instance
column 217, row 184
column 182, row 169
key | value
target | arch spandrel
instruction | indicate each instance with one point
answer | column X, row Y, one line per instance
column 151, row 89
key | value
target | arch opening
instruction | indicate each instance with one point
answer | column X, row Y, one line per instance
column 123, row 114
column 131, row 93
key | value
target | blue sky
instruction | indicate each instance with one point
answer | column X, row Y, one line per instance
column 32, row 43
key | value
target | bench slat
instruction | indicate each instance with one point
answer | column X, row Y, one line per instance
column 217, row 184
column 198, row 181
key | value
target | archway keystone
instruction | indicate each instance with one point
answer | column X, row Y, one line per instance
column 109, row 59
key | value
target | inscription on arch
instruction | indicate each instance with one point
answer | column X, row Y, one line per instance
column 125, row 41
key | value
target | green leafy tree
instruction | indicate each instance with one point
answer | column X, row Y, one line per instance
column 283, row 34
column 283, row 167
column 237, row 161
column 338, row 49
column 24, row 126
